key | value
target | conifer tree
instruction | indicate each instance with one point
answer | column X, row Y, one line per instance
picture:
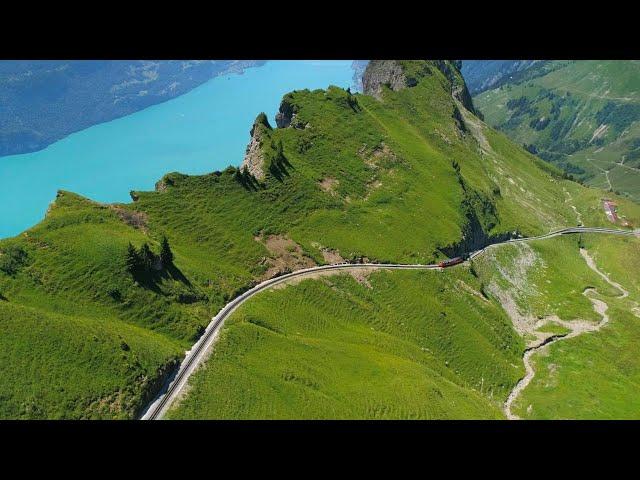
column 132, row 260
column 166, row 255
column 147, row 257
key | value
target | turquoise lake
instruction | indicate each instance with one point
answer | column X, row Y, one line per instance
column 204, row 130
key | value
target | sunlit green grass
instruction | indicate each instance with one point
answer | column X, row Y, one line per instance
column 415, row 345
column 57, row 366
column 406, row 205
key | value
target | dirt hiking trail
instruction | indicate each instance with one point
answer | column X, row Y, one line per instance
column 575, row 327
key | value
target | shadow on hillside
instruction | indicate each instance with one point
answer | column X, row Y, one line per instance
column 151, row 280
column 248, row 182
column 281, row 168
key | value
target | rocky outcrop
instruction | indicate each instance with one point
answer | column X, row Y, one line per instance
column 163, row 184
column 168, row 180
column 392, row 74
column 286, row 113
column 459, row 90
column 254, row 156
column 381, row 73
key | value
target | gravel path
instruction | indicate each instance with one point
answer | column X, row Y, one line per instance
column 576, row 328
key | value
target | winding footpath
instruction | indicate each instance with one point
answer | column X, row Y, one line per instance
column 175, row 384
column 576, row 328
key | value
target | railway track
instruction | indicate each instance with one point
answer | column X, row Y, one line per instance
column 198, row 353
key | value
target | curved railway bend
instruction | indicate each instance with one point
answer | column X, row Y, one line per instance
column 174, row 385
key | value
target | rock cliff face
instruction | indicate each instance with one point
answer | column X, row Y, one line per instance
column 459, row 90
column 254, row 156
column 285, row 114
column 380, row 73
column 391, row 73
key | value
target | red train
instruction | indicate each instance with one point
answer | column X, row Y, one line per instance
column 450, row 262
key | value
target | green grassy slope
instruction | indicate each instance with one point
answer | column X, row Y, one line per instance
column 409, row 346
column 545, row 277
column 57, row 366
column 584, row 116
column 408, row 182
column 594, row 375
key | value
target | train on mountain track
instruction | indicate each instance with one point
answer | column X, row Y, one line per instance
column 450, row 262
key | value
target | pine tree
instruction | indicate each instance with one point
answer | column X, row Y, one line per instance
column 166, row 255
column 132, row 260
column 147, row 257
column 279, row 158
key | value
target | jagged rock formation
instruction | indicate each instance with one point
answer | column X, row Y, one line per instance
column 254, row 156
column 391, row 73
column 286, row 113
column 459, row 90
column 380, row 73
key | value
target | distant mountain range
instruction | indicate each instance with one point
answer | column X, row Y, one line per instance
column 583, row 116
column 44, row 101
column 482, row 75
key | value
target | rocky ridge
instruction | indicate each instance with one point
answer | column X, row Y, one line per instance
column 254, row 156
column 392, row 74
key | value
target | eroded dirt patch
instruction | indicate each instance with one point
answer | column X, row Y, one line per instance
column 135, row 219
column 375, row 158
column 329, row 185
column 333, row 257
column 286, row 256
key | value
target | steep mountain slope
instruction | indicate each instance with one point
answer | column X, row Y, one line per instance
column 482, row 75
column 583, row 116
column 44, row 101
column 409, row 176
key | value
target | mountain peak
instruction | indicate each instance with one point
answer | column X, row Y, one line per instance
column 400, row 74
